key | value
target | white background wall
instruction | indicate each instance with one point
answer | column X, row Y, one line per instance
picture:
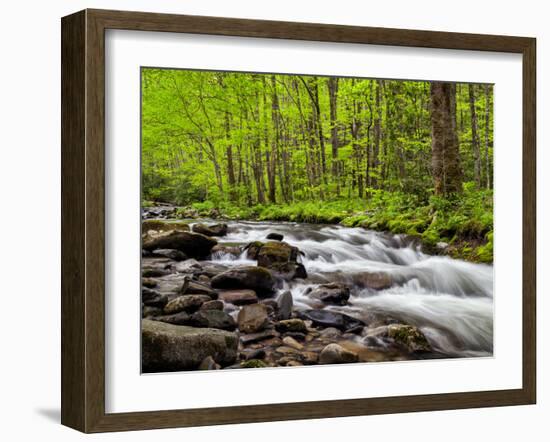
column 30, row 216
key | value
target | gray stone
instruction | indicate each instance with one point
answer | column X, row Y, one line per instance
column 252, row 318
column 187, row 303
column 167, row 347
column 284, row 305
column 213, row 319
column 335, row 354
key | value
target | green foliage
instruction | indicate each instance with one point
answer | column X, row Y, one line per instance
column 291, row 148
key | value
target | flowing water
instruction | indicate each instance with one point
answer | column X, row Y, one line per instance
column 451, row 301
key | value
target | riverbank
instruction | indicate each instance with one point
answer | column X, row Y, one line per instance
column 461, row 228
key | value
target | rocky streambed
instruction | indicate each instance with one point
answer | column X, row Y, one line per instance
column 258, row 294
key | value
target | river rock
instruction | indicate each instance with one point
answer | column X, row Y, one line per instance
column 335, row 354
column 212, row 305
column 180, row 318
column 326, row 318
column 292, row 343
column 252, row 318
column 196, row 288
column 150, row 227
column 373, row 280
column 238, row 297
column 187, row 303
column 193, row 245
column 253, row 363
column 275, row 236
column 254, row 278
column 332, row 293
column 284, row 305
column 167, row 347
column 148, row 282
column 150, row 311
column 276, row 253
column 176, row 255
column 153, row 298
column 409, row 336
column 149, row 272
column 250, row 338
column 208, row 363
column 210, row 230
column 291, row 325
column 213, row 319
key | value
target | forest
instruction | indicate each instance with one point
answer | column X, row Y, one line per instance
column 412, row 157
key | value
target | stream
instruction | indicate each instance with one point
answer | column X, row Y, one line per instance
column 449, row 300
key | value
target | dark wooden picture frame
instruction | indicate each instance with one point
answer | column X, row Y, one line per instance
column 83, row 217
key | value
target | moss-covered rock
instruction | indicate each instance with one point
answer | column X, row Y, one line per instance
column 409, row 336
column 167, row 347
column 253, row 363
column 158, row 225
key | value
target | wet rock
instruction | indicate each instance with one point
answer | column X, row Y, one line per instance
column 197, row 288
column 151, row 226
column 181, row 318
column 148, row 282
column 253, row 363
column 276, row 253
column 409, row 336
column 188, row 266
column 211, row 269
column 335, row 354
column 238, row 297
column 187, row 303
column 149, row 311
column 332, row 293
column 252, row 318
column 212, row 305
column 330, row 333
column 275, row 236
column 193, row 245
column 291, row 325
column 258, row 353
column 292, row 343
column 176, row 255
column 210, row 230
column 253, row 248
column 250, row 338
column 208, row 363
column 153, row 298
column 167, row 347
column 148, row 272
column 326, row 318
column 373, row 280
column 254, row 278
column 213, row 319
column 310, row 357
column 284, row 305
column 296, row 335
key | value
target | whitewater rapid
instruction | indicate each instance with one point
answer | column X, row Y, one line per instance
column 450, row 300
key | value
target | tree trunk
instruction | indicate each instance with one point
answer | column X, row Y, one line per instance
column 475, row 137
column 333, row 101
column 446, row 169
column 487, row 128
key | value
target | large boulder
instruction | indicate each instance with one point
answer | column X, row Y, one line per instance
column 252, row 318
column 167, row 347
column 254, row 278
column 327, row 318
column 279, row 257
column 409, row 336
column 332, row 293
column 210, row 230
column 335, row 354
column 193, row 245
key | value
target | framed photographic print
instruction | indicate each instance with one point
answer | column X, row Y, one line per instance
column 268, row 220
